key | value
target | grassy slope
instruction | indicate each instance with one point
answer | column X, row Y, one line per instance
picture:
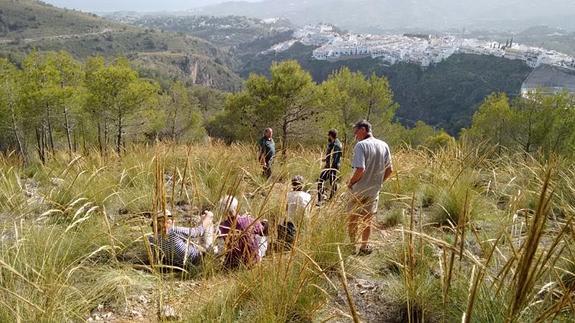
column 29, row 25
column 71, row 226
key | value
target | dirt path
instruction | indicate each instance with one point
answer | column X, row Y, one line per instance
column 57, row 37
column 369, row 289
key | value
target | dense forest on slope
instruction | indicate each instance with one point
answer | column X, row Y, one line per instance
column 445, row 95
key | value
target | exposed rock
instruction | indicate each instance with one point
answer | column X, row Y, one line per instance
column 57, row 181
column 32, row 192
column 168, row 313
column 143, row 299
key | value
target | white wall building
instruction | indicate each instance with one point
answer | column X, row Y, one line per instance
column 411, row 48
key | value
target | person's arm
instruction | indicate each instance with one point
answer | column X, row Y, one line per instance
column 261, row 153
column 388, row 172
column 224, row 229
column 358, row 163
column 189, row 232
column 262, row 158
column 328, row 155
column 336, row 159
column 389, row 168
column 357, row 175
column 258, row 228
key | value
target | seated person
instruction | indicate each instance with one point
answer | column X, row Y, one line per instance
column 298, row 204
column 298, row 201
column 175, row 243
column 243, row 236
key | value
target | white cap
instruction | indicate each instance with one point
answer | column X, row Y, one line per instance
column 228, row 203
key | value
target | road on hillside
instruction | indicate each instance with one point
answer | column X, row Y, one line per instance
column 57, row 37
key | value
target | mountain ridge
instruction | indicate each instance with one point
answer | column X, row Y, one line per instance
column 27, row 25
column 392, row 14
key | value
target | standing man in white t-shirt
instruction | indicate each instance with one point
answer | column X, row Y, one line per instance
column 372, row 166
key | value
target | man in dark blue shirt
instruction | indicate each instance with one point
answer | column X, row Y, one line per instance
column 332, row 165
column 267, row 151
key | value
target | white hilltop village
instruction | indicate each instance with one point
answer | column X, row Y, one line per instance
column 419, row 49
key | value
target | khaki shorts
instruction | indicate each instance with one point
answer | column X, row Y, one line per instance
column 362, row 206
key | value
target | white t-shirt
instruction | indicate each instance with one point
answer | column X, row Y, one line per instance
column 372, row 155
column 297, row 203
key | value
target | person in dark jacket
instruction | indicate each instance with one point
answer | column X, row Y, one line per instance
column 267, row 151
column 332, row 164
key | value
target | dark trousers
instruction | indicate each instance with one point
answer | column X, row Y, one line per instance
column 267, row 170
column 330, row 175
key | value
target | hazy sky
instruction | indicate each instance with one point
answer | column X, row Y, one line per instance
column 133, row 5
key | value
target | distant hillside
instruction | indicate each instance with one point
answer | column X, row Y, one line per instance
column 445, row 95
column 30, row 19
column 242, row 38
column 542, row 36
column 547, row 37
column 227, row 31
column 32, row 25
column 366, row 15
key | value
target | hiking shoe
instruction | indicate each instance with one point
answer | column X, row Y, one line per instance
column 364, row 251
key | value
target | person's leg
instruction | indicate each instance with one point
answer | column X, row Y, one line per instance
column 366, row 221
column 321, row 185
column 268, row 172
column 333, row 183
column 369, row 209
column 352, row 226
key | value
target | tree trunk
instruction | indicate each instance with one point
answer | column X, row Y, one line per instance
column 45, row 141
column 39, row 140
column 74, row 141
column 344, row 150
column 174, row 124
column 369, row 106
column 50, row 136
column 17, row 133
column 84, row 139
column 105, row 133
column 119, row 136
column 68, row 135
column 100, row 143
column 284, row 139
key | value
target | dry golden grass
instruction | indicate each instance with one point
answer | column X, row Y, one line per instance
column 504, row 251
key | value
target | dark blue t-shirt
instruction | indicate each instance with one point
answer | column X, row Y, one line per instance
column 267, row 148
